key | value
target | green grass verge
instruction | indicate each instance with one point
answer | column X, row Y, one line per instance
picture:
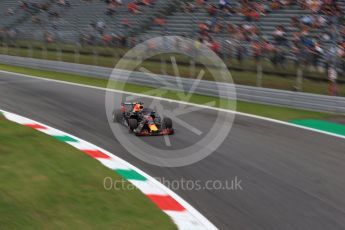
column 275, row 112
column 240, row 77
column 46, row 184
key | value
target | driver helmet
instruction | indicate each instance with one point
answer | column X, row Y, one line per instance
column 137, row 108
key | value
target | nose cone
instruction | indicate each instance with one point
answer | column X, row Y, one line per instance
column 153, row 128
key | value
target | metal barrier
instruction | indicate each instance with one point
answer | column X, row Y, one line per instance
column 244, row 93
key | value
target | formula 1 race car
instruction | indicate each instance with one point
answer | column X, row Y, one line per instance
column 142, row 121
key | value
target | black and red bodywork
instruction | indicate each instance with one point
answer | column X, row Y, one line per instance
column 152, row 124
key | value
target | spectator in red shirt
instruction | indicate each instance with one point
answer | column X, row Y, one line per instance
column 212, row 10
column 133, row 8
column 147, row 2
column 254, row 15
column 257, row 49
column 215, row 46
column 107, row 39
column 203, row 29
column 159, row 21
column 125, row 22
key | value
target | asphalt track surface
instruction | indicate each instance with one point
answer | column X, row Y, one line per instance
column 291, row 178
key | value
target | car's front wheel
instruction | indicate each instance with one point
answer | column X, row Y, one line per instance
column 117, row 115
column 167, row 123
column 133, row 124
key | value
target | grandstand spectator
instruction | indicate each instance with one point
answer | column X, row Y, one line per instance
column 227, row 49
column 330, row 56
column 275, row 5
column 200, row 3
column 267, row 7
column 240, row 51
column 253, row 15
column 23, row 5
column 146, row 2
column 257, row 50
column 210, row 22
column 65, row 3
column 316, row 53
column 214, row 46
column 307, row 20
column 267, row 49
column 295, row 22
column 320, row 21
column 49, row 37
column 296, row 55
column 53, row 14
column 11, row 33
column 313, row 5
column 342, row 30
column 126, row 23
column 340, row 51
column 280, row 36
column 296, row 38
column 259, row 6
column 2, row 34
column 188, row 7
column 231, row 29
column 9, row 12
column 248, row 31
column 100, row 26
column 159, row 21
column 203, row 29
column 239, row 33
column 218, row 27
column 341, row 56
column 107, row 39
column 44, row 6
column 111, row 9
column 35, row 19
column 332, row 76
column 326, row 36
column 224, row 5
column 212, row 10
column 279, row 56
column 133, row 8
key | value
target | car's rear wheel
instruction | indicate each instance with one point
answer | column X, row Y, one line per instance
column 133, row 124
column 167, row 123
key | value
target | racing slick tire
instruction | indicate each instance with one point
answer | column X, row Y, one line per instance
column 167, row 123
column 117, row 115
column 133, row 124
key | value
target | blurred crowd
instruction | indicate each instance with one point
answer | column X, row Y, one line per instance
column 315, row 39
column 97, row 28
